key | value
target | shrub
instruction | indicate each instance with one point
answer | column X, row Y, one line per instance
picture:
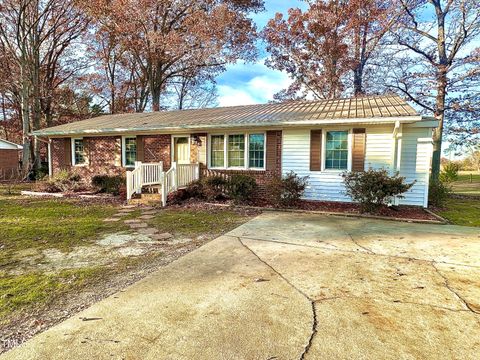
column 449, row 172
column 63, row 181
column 374, row 188
column 194, row 190
column 438, row 193
column 108, row 184
column 286, row 191
column 213, row 187
column 241, row 187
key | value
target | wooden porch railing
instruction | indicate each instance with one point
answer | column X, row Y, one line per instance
column 150, row 174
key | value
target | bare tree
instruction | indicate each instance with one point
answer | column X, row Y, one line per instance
column 438, row 63
column 166, row 38
column 36, row 35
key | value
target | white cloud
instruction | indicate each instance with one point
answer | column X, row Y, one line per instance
column 229, row 96
column 255, row 89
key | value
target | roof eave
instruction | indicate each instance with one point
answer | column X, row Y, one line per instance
column 299, row 123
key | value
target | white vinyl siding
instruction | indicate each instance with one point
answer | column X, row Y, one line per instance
column 415, row 161
column 328, row 185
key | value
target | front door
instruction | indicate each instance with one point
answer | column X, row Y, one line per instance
column 181, row 150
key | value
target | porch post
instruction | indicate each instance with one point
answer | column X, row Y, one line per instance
column 50, row 165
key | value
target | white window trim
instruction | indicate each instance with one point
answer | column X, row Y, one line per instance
column 246, row 151
column 124, row 158
column 324, row 150
column 72, row 146
column 172, row 154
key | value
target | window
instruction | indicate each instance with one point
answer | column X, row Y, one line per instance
column 336, row 156
column 236, row 150
column 78, row 152
column 217, row 151
column 245, row 151
column 256, row 150
column 129, row 151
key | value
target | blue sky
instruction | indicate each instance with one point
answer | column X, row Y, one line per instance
column 244, row 84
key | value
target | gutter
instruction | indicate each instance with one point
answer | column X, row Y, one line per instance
column 168, row 129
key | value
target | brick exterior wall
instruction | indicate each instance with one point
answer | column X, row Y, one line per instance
column 262, row 177
column 57, row 148
column 103, row 157
column 158, row 148
column 9, row 163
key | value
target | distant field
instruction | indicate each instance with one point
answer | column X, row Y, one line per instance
column 468, row 183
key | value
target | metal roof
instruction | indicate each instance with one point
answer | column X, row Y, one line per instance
column 372, row 108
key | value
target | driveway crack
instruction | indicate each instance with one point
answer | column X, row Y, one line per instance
column 367, row 252
column 359, row 245
column 312, row 301
column 456, row 293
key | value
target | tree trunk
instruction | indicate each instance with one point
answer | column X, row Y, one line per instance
column 25, row 113
column 156, row 99
column 37, row 109
column 440, row 115
column 357, row 81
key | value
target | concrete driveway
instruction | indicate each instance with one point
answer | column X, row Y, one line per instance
column 293, row 286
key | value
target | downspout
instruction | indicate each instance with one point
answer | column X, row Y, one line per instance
column 397, row 152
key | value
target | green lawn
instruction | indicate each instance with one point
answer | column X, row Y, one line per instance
column 464, row 212
column 35, row 288
column 29, row 225
column 32, row 227
column 468, row 183
column 189, row 222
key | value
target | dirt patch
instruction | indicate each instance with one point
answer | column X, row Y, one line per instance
column 119, row 258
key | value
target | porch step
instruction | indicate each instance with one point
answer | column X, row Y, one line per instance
column 146, row 199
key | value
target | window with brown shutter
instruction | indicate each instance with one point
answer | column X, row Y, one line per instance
column 272, row 150
column 140, row 148
column 68, row 152
column 315, row 150
column 358, row 150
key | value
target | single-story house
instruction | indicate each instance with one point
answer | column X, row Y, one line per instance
column 9, row 159
column 319, row 139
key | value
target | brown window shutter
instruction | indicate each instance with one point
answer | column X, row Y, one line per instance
column 68, row 152
column 118, row 151
column 315, row 150
column 358, row 150
column 272, row 150
column 140, row 149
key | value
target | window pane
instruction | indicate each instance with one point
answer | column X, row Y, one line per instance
column 236, row 150
column 336, row 156
column 217, row 151
column 130, row 151
column 256, row 146
column 79, row 152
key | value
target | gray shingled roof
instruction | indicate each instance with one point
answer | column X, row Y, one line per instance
column 374, row 108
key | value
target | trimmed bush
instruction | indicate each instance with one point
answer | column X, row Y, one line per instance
column 213, row 187
column 449, row 172
column 374, row 188
column 63, row 181
column 241, row 188
column 194, row 190
column 286, row 191
column 438, row 193
column 108, row 184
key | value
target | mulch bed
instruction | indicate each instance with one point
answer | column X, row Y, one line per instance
column 402, row 212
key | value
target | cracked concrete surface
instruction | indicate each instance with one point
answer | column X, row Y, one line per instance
column 293, row 286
